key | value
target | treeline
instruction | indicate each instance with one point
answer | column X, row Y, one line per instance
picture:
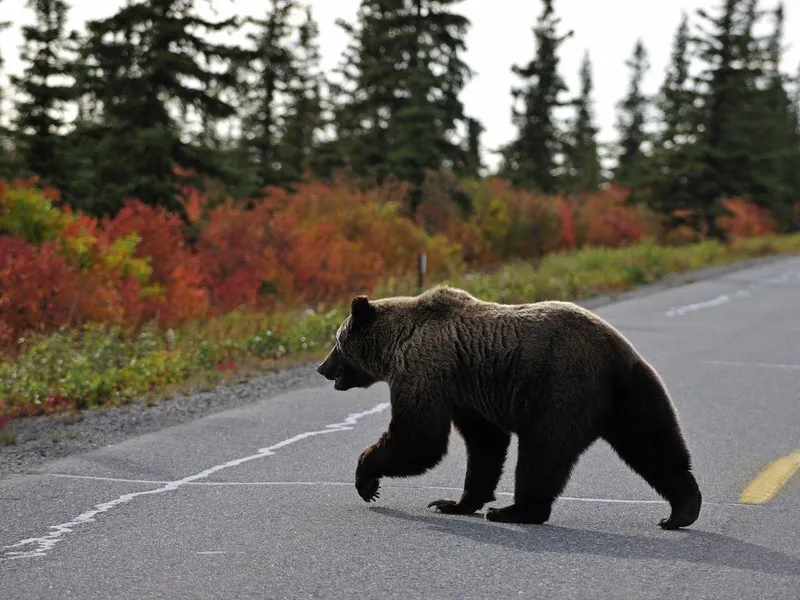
column 144, row 103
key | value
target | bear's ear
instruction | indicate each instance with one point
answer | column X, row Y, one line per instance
column 363, row 312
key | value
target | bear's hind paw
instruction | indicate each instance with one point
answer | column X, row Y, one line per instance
column 517, row 514
column 452, row 507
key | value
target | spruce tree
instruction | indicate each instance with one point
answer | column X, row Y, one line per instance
column 631, row 169
column 431, row 39
column 6, row 144
column 583, row 171
column 530, row 160
column 676, row 157
column 727, row 86
column 304, row 111
column 39, row 125
column 269, row 71
column 366, row 97
column 774, row 148
column 403, row 75
column 143, row 68
column 472, row 165
column 675, row 99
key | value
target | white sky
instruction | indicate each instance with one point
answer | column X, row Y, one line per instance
column 501, row 35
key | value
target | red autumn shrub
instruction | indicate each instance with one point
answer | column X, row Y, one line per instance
column 345, row 240
column 174, row 267
column 321, row 243
column 745, row 219
column 36, row 288
column 238, row 258
column 328, row 267
column 568, row 236
column 603, row 219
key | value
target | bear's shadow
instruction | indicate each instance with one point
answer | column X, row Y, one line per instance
column 707, row 547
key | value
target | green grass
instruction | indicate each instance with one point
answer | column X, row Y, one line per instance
column 100, row 366
column 8, row 437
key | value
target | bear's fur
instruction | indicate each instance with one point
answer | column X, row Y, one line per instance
column 553, row 373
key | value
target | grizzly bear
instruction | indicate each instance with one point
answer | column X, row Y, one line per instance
column 553, row 373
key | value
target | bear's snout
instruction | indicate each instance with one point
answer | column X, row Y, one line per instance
column 330, row 367
column 324, row 372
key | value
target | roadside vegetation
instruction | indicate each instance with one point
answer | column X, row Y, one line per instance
column 100, row 312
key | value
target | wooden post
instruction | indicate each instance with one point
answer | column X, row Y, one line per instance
column 421, row 264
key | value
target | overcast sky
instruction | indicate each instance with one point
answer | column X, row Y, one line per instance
column 501, row 35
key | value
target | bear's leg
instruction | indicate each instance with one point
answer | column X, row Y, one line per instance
column 657, row 453
column 544, row 465
column 643, row 429
column 415, row 441
column 486, row 445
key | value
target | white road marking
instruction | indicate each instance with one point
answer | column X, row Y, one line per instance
column 41, row 545
column 95, row 478
column 386, row 485
column 735, row 363
column 725, row 298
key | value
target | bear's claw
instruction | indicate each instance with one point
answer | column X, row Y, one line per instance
column 452, row 507
column 369, row 490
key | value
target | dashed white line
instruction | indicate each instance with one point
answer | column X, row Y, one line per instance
column 736, row 363
column 115, row 479
column 39, row 546
column 725, row 298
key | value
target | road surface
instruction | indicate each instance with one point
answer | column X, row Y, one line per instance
column 258, row 502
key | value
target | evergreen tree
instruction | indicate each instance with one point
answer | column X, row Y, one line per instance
column 530, row 160
column 631, row 122
column 472, row 164
column 403, row 76
column 775, row 149
column 675, row 100
column 39, row 125
column 142, row 68
column 794, row 221
column 583, row 171
column 6, row 146
column 304, row 112
column 429, row 111
column 367, row 96
column 676, row 157
column 270, row 71
column 727, row 86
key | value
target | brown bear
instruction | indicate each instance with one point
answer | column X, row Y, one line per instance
column 553, row 373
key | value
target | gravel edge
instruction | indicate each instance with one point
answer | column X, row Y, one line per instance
column 42, row 439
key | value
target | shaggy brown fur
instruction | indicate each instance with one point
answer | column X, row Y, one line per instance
column 553, row 373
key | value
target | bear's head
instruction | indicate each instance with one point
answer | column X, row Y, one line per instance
column 345, row 363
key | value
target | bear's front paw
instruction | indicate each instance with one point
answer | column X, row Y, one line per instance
column 368, row 488
column 368, row 475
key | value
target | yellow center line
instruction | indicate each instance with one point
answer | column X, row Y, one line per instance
column 771, row 479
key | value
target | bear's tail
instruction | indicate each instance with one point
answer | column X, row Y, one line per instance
column 643, row 429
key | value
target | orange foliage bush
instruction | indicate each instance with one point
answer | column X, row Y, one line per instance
column 745, row 219
column 319, row 244
column 175, row 270
column 603, row 219
column 333, row 241
column 237, row 257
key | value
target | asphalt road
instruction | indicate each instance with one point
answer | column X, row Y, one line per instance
column 258, row 502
